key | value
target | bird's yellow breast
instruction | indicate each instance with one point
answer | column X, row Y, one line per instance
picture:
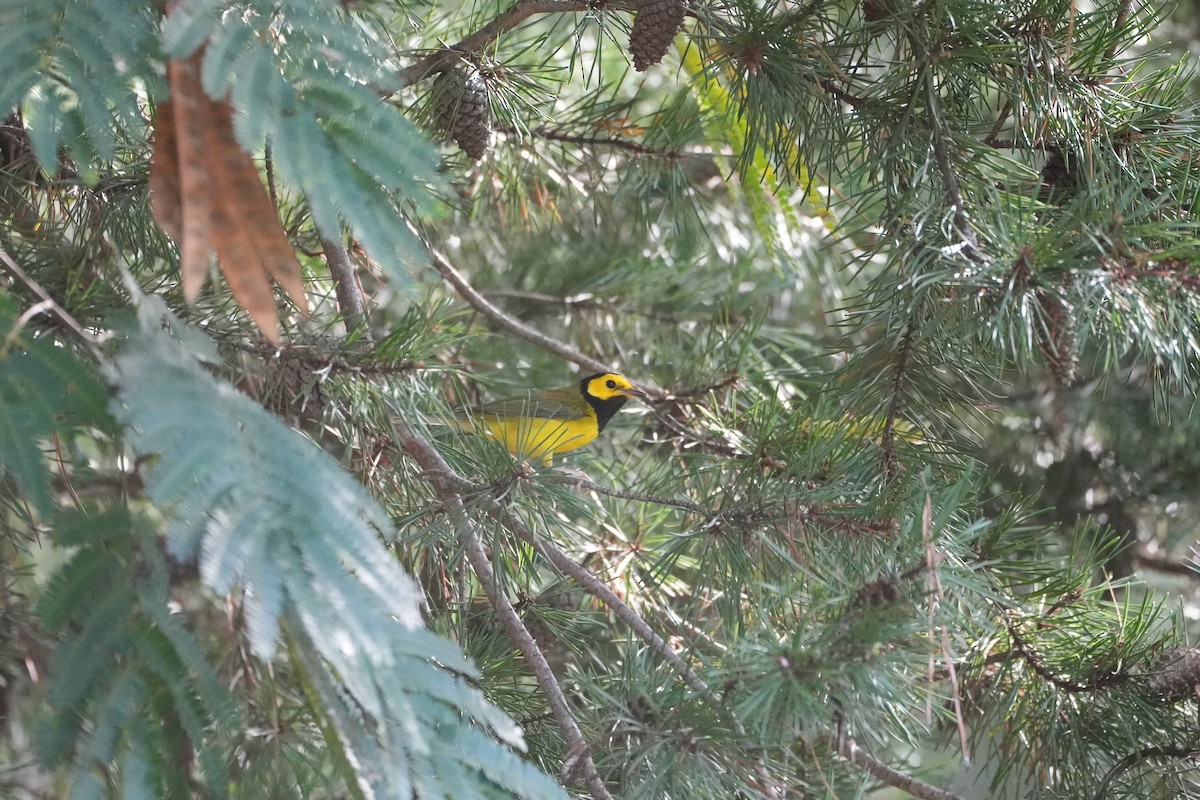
column 536, row 437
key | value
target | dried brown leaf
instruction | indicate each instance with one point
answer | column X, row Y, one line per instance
column 166, row 201
column 247, row 204
column 210, row 198
column 197, row 192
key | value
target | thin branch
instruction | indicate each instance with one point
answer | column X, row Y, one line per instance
column 941, row 150
column 850, row 751
column 1151, row 557
column 329, row 357
column 887, row 442
column 936, row 597
column 1145, row 754
column 50, row 303
column 700, row 391
column 509, row 323
column 628, row 145
column 438, row 474
column 345, row 285
column 1122, row 18
column 587, row 301
column 838, row 93
column 991, row 659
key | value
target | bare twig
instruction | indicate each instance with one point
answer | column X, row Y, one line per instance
column 548, row 302
column 991, row 659
column 508, row 322
column 838, row 93
column 700, row 391
column 935, row 598
column 48, row 302
column 323, row 356
column 1150, row 556
column 345, row 284
column 439, row 473
column 626, row 144
column 803, row 513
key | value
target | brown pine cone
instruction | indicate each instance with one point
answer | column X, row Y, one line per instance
column 460, row 108
column 1058, row 338
column 876, row 10
column 654, row 27
column 1176, row 675
column 1062, row 178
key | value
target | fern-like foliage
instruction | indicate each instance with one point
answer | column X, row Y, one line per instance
column 73, row 72
column 298, row 74
column 44, row 391
column 264, row 508
column 130, row 689
column 354, row 157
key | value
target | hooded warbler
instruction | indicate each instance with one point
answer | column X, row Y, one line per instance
column 541, row 423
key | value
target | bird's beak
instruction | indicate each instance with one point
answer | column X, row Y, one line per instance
column 633, row 391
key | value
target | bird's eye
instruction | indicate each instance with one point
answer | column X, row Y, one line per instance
column 610, row 383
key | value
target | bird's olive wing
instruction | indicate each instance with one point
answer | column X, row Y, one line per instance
column 543, row 406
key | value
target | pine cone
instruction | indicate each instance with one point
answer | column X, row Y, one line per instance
column 654, row 28
column 1061, row 178
column 876, row 10
column 16, row 153
column 1176, row 675
column 460, row 108
column 1057, row 338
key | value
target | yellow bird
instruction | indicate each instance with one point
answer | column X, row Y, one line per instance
column 540, row 424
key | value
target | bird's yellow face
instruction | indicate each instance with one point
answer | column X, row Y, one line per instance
column 608, row 385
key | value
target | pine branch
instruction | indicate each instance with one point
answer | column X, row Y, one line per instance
column 639, row 626
column 345, row 284
column 437, row 470
column 490, row 33
column 850, row 751
column 1038, row 665
column 444, row 481
column 49, row 303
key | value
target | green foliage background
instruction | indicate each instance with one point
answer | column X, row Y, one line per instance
column 911, row 509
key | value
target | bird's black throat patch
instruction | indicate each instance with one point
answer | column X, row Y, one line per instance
column 604, row 408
